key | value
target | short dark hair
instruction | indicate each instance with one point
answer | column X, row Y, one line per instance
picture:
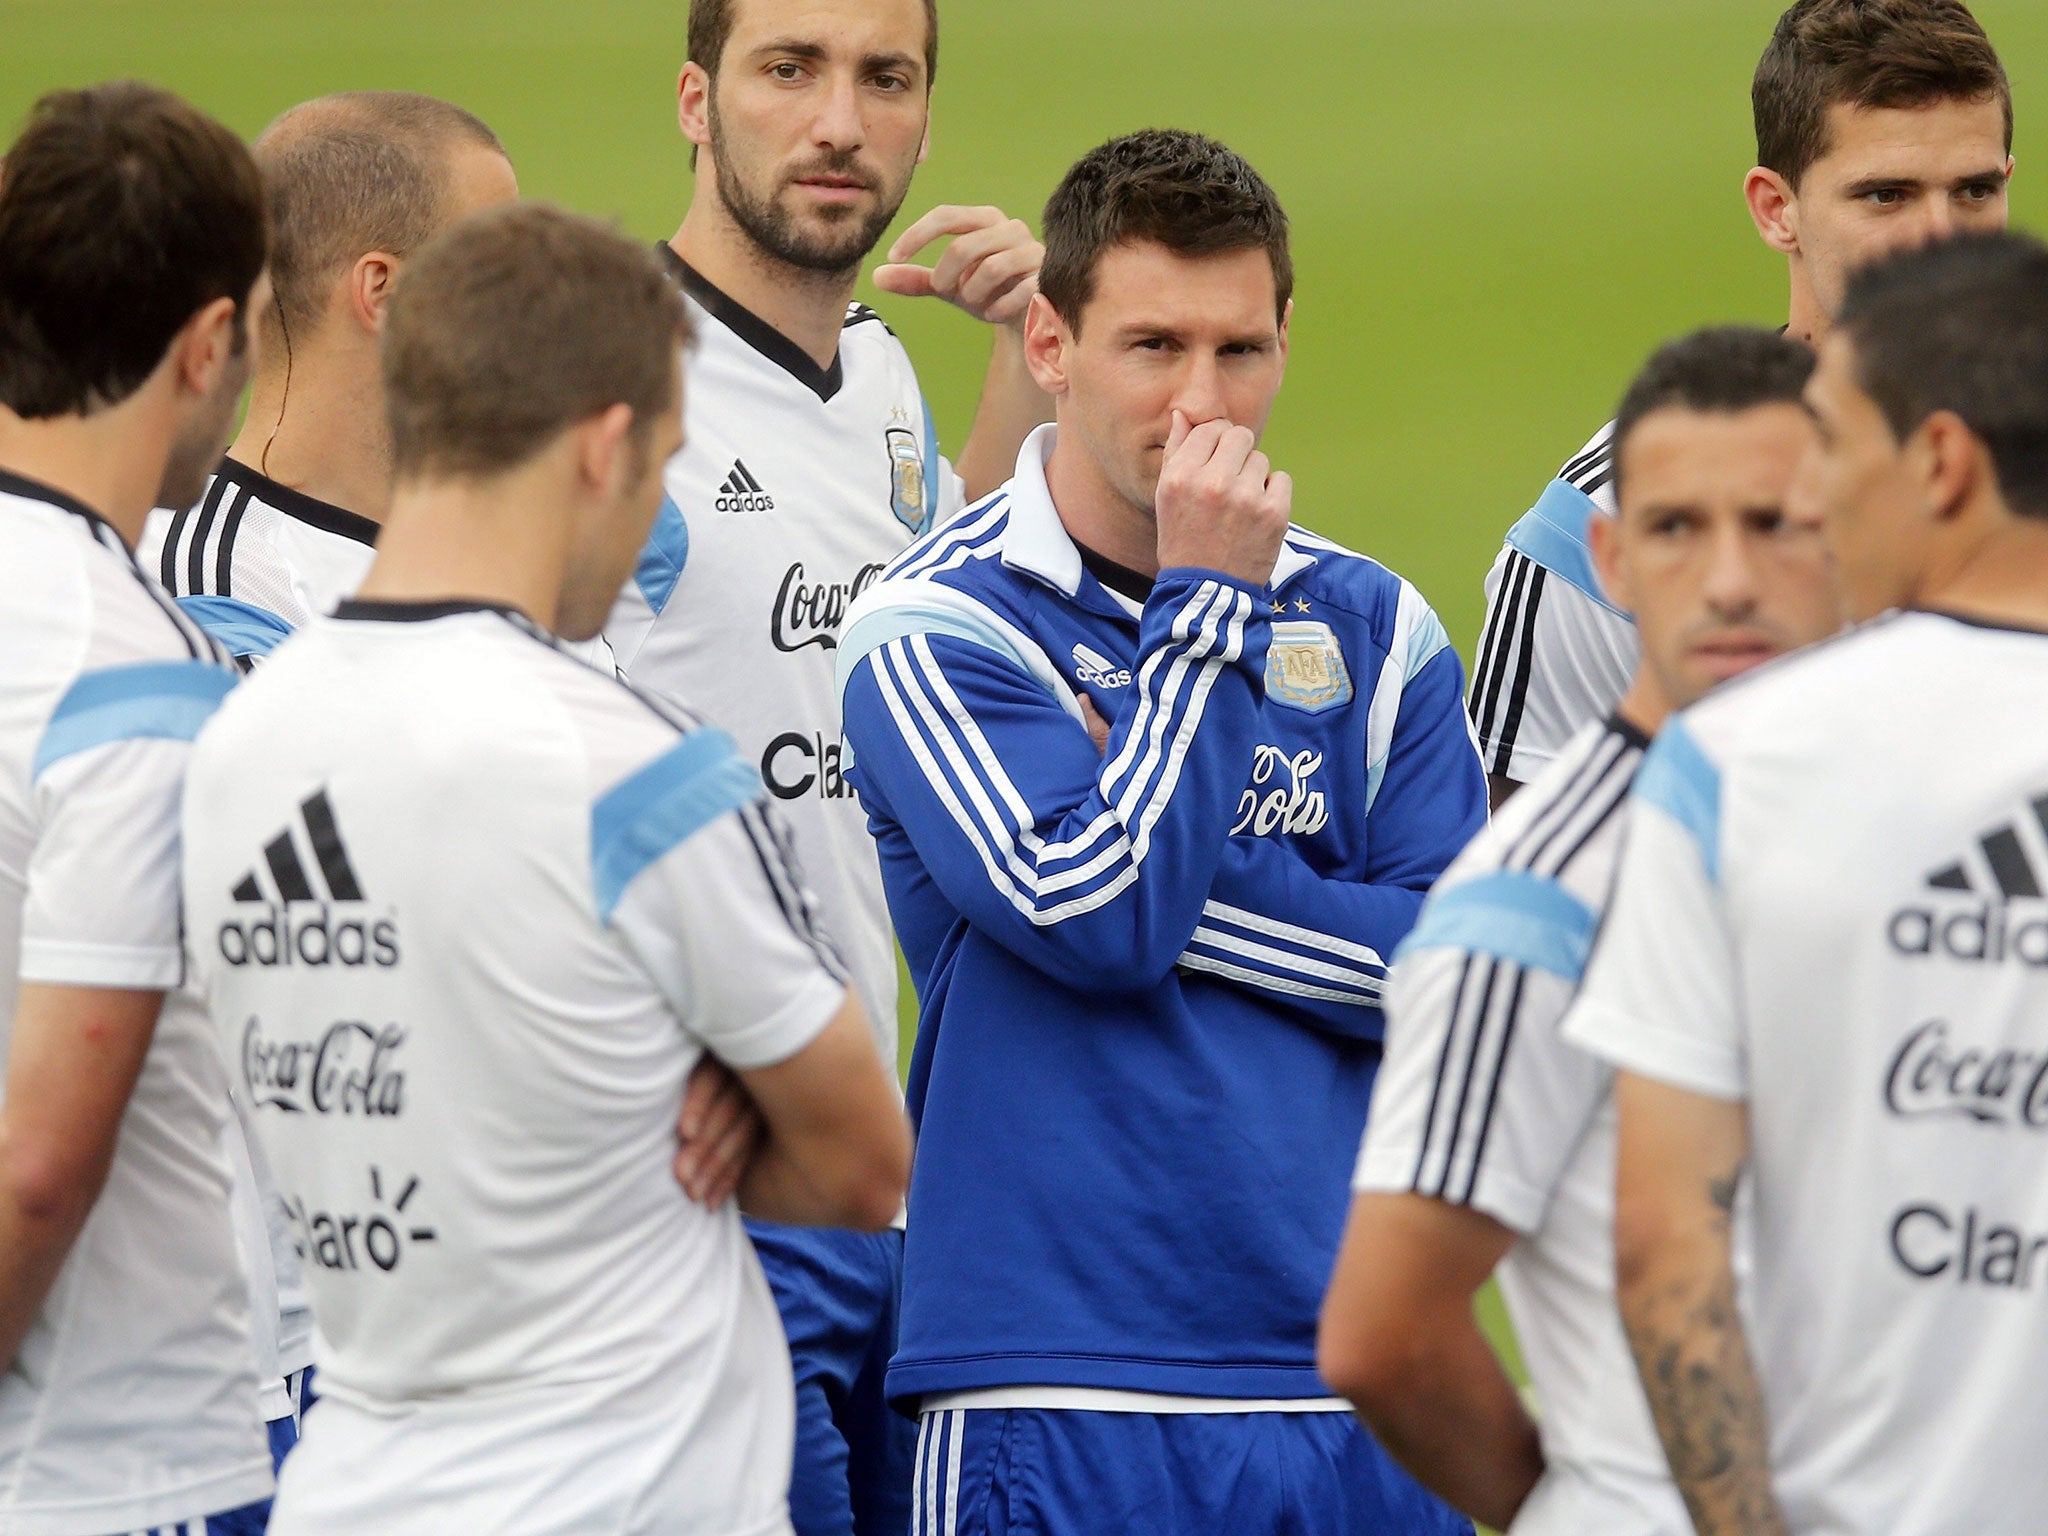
column 1962, row 326
column 1723, row 370
column 1188, row 193
column 515, row 325
column 351, row 173
column 123, row 213
column 1869, row 54
column 711, row 29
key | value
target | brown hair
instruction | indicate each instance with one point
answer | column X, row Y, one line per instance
column 1724, row 370
column 1188, row 193
column 123, row 213
column 352, row 173
column 517, row 324
column 1869, row 54
column 711, row 29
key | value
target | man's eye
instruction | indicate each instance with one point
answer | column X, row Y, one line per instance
column 891, row 83
column 1885, row 197
column 787, row 72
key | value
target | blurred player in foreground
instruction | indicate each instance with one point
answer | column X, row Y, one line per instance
column 1822, row 968
column 1149, row 969
column 1491, row 1141
column 549, row 899
column 1880, row 124
column 357, row 183
column 131, row 253
column 810, row 462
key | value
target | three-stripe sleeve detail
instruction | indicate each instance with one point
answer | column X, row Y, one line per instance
column 935, row 1485
column 1050, row 881
column 1507, row 660
column 1262, row 951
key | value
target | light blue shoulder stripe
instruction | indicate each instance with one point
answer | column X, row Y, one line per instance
column 1553, row 534
column 1682, row 782
column 1513, row 915
column 1425, row 643
column 662, row 560
column 162, row 700
column 911, row 615
column 640, row 820
column 931, row 469
column 244, row 628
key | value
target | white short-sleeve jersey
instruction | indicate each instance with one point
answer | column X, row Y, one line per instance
column 1555, row 654
column 795, row 485
column 469, row 913
column 255, row 560
column 1831, row 907
column 132, row 1402
column 1481, row 1103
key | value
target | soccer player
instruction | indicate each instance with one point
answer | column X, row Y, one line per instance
column 1880, row 124
column 1149, row 973
column 357, row 183
column 811, row 462
column 1822, row 966
column 131, row 251
column 1490, row 1146
column 533, row 901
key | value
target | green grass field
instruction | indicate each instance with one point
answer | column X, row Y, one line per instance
column 1499, row 205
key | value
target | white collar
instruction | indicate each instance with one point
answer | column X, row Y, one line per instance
column 1037, row 542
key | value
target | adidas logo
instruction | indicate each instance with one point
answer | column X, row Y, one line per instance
column 285, row 936
column 2001, row 869
column 742, row 492
column 1091, row 666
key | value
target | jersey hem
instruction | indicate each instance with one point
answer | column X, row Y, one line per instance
column 909, row 1381
column 1391, row 1171
column 774, row 1040
column 59, row 963
column 1108, row 1400
column 217, row 1495
column 1633, row 1046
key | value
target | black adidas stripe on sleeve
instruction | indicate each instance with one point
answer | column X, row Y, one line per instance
column 1507, row 660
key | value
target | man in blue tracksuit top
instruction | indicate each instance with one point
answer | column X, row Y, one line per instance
column 1158, row 780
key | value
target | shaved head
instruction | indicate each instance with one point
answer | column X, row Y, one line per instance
column 353, row 173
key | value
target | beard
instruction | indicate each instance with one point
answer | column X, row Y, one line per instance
column 833, row 251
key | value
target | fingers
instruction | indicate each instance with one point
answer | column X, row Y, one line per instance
column 1098, row 728
column 723, row 1162
column 946, row 219
column 707, row 1082
column 1177, row 432
column 912, row 282
column 1280, row 494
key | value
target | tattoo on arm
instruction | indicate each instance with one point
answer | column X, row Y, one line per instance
column 1696, row 1367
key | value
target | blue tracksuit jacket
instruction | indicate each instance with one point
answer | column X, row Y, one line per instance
column 1148, row 980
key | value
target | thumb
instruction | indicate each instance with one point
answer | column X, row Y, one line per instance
column 905, row 279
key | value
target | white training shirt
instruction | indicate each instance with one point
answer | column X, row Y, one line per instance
column 1480, row 1103
column 1555, row 654
column 795, row 485
column 133, row 1400
column 470, row 912
column 1831, row 908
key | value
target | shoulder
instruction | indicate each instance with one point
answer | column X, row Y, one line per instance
column 1804, row 689
column 1590, row 471
column 964, row 552
column 1356, row 592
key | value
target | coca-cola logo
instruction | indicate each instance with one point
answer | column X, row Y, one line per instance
column 1932, row 1076
column 1279, row 798
column 810, row 613
column 347, row 1071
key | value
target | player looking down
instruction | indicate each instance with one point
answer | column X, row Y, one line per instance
column 546, row 901
column 131, row 253
column 357, row 184
column 1148, row 973
column 1880, row 124
column 1822, row 965
column 1490, row 1147
column 811, row 461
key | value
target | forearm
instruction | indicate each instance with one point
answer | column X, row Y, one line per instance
column 1703, row 1390
column 1011, row 406
column 1460, row 1427
column 33, row 1246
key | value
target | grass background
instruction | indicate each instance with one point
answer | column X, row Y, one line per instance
column 1499, row 206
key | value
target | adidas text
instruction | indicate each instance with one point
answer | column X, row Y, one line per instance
column 284, row 936
column 1989, row 934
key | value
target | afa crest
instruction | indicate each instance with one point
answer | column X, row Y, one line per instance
column 906, row 480
column 1305, row 668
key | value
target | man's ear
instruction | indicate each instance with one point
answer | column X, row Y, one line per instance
column 201, row 351
column 370, row 284
column 603, row 459
column 1046, row 340
column 693, row 104
column 1952, row 464
column 1603, row 539
column 1774, row 208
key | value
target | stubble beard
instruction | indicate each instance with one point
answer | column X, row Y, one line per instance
column 779, row 236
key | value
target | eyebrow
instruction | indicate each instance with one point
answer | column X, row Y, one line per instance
column 1995, row 176
column 798, row 48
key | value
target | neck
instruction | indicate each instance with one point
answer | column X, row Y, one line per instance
column 112, row 460
column 1806, row 319
column 317, row 425
column 808, row 307
column 1095, row 513
column 1645, row 705
column 2003, row 579
column 500, row 540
